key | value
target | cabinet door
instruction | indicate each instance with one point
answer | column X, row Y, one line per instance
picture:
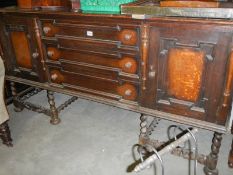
column 21, row 47
column 187, row 69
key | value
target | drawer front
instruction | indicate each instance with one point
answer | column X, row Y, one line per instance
column 125, row 35
column 85, row 81
column 91, row 46
column 124, row 63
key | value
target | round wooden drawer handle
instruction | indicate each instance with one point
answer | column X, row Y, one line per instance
column 56, row 76
column 128, row 65
column 127, row 91
column 49, row 29
column 50, row 53
column 53, row 53
column 46, row 29
column 128, row 37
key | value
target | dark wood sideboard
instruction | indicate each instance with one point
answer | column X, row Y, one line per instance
column 179, row 69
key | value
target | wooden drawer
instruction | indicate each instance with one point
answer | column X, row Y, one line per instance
column 96, row 71
column 124, row 35
column 103, row 84
column 124, row 63
column 94, row 46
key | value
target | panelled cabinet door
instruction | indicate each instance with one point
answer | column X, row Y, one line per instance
column 189, row 62
column 21, row 48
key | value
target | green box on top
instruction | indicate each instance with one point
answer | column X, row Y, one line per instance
column 103, row 5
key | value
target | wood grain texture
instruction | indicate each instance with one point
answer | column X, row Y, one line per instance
column 24, row 3
column 40, row 3
column 87, row 79
column 21, row 48
column 145, row 52
column 229, row 81
column 185, row 68
column 225, row 105
column 127, row 64
column 191, row 4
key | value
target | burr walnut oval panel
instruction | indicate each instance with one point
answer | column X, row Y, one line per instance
column 185, row 69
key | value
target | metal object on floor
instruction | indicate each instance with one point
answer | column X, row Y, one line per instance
column 209, row 162
column 20, row 102
column 158, row 154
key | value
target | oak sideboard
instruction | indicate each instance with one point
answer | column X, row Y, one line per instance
column 179, row 69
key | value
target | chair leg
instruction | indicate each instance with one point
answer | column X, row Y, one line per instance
column 17, row 106
column 230, row 161
column 54, row 113
column 212, row 159
column 5, row 134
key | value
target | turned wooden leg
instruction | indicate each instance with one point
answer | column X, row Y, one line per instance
column 144, row 126
column 143, row 137
column 212, row 159
column 5, row 134
column 17, row 106
column 230, row 160
column 54, row 113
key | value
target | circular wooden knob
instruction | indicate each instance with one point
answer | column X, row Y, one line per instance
column 128, row 37
column 49, row 30
column 50, row 53
column 53, row 53
column 128, row 65
column 127, row 91
column 56, row 76
column 46, row 30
